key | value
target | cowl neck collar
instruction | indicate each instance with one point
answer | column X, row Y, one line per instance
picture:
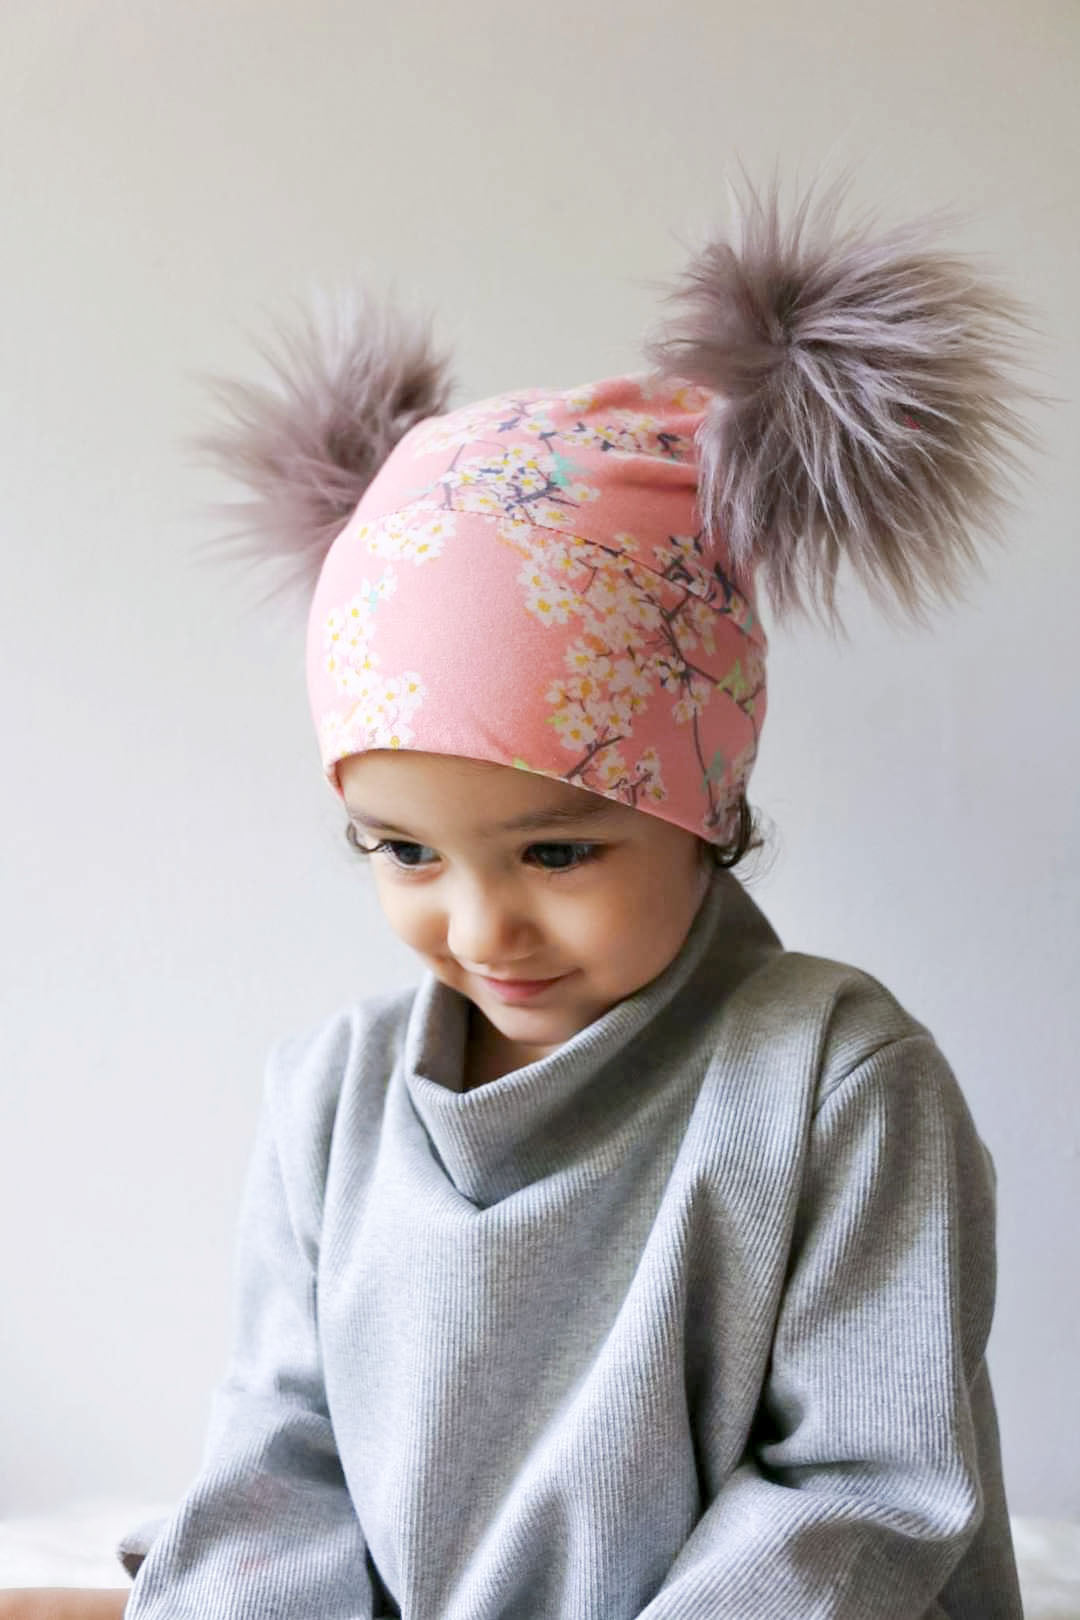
column 530, row 1122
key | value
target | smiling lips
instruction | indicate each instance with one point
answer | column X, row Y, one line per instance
column 520, row 989
column 511, row 978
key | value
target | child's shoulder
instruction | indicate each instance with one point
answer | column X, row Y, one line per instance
column 835, row 1014
column 330, row 1039
column 308, row 1069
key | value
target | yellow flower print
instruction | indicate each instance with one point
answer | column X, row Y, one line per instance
column 650, row 764
column 579, row 656
column 687, row 707
column 645, row 615
column 547, row 515
column 548, row 607
column 411, row 534
column 611, row 768
column 575, row 731
column 626, row 676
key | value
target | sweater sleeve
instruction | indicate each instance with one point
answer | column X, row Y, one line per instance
column 268, row 1526
column 873, row 1465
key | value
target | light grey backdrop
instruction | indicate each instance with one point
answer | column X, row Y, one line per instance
column 177, row 893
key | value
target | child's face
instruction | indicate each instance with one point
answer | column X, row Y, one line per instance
column 601, row 901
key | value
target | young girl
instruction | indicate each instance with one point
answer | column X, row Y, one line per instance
column 631, row 1267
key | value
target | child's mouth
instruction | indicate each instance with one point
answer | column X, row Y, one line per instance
column 521, row 989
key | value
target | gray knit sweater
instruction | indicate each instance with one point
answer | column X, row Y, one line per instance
column 687, row 1319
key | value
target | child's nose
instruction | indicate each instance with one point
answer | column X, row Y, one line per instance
column 487, row 928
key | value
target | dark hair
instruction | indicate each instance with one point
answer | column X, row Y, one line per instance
column 748, row 836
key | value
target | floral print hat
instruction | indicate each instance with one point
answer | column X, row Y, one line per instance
column 566, row 580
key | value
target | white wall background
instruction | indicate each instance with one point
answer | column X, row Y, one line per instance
column 176, row 890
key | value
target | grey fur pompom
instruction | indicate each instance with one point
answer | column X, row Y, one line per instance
column 350, row 380
column 865, row 403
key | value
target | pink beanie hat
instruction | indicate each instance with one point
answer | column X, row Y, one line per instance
column 564, row 580
column 525, row 582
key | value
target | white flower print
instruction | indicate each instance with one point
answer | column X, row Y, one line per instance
column 407, row 535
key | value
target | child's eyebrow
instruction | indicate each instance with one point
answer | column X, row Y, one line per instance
column 532, row 819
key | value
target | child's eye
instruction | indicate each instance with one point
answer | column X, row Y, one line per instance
column 549, row 857
column 567, row 856
column 399, row 851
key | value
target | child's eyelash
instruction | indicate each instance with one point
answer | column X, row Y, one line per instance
column 388, row 846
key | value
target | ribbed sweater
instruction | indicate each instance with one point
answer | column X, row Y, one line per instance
column 686, row 1320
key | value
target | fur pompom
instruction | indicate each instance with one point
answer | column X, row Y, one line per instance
column 865, row 403
column 350, row 380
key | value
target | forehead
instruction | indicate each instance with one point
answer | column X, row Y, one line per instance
column 406, row 789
